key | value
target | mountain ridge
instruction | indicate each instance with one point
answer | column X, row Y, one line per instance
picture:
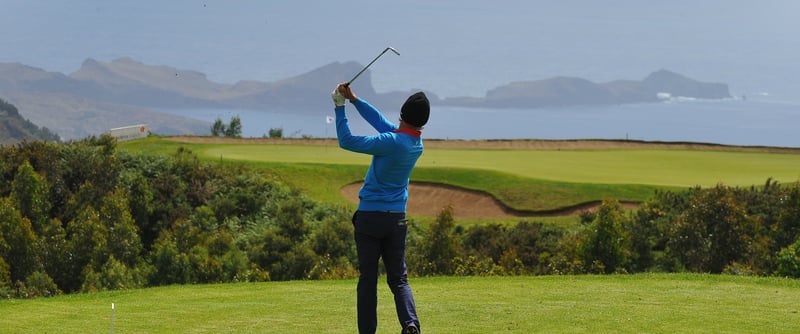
column 138, row 88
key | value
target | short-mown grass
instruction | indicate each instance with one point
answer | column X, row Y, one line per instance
column 642, row 303
column 523, row 179
column 665, row 167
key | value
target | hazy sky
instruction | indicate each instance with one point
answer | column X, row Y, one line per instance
column 455, row 47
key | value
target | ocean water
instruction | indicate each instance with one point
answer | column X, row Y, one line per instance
column 453, row 48
column 751, row 122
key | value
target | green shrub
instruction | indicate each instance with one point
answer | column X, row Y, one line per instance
column 788, row 261
column 604, row 243
column 439, row 247
column 5, row 279
column 328, row 267
column 474, row 266
column 39, row 284
column 113, row 275
column 171, row 266
column 713, row 232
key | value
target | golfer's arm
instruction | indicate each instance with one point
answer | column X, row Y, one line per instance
column 373, row 116
column 346, row 139
column 360, row 144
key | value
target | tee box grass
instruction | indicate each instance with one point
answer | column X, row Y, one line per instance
column 641, row 303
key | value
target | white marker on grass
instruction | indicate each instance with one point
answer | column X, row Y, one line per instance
column 112, row 318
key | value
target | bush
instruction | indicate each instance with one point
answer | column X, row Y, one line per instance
column 39, row 284
column 714, row 232
column 439, row 248
column 605, row 244
column 333, row 268
column 114, row 275
column 171, row 266
column 474, row 266
column 788, row 261
column 334, row 239
column 5, row 279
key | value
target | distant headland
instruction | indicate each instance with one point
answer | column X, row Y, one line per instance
column 125, row 91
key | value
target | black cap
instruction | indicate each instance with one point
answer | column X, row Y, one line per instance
column 416, row 110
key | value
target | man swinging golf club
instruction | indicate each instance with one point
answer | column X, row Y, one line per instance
column 380, row 222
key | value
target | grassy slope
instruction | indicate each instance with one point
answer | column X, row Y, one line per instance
column 682, row 168
column 652, row 167
column 668, row 303
column 522, row 179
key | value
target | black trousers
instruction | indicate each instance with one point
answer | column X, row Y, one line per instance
column 381, row 234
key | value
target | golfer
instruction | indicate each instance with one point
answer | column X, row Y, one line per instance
column 380, row 222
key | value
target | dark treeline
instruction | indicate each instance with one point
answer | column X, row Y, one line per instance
column 85, row 216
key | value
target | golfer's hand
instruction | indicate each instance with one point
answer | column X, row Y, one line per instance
column 338, row 98
column 345, row 89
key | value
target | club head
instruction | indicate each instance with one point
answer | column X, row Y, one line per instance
column 393, row 50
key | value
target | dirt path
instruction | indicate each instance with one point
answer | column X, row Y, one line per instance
column 428, row 199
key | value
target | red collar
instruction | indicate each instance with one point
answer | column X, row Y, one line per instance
column 410, row 132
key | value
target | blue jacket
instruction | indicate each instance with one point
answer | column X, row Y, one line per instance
column 394, row 153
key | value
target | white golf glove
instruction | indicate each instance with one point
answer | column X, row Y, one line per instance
column 338, row 98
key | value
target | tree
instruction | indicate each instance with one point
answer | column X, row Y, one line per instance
column 290, row 220
column 205, row 267
column 29, row 195
column 604, row 247
column 87, row 243
column 17, row 242
column 140, row 203
column 234, row 128
column 55, row 257
column 334, row 239
column 486, row 241
column 123, row 236
column 276, row 132
column 171, row 266
column 647, row 229
column 533, row 243
column 218, row 128
column 113, row 275
column 5, row 279
column 94, row 161
column 439, row 247
column 714, row 232
column 788, row 225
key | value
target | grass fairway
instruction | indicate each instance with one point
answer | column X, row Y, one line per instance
column 682, row 168
column 663, row 167
column 523, row 179
column 644, row 303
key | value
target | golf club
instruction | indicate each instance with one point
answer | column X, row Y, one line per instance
column 370, row 63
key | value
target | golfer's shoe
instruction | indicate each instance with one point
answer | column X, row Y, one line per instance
column 411, row 329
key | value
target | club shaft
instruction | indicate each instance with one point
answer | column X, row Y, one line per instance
column 370, row 63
